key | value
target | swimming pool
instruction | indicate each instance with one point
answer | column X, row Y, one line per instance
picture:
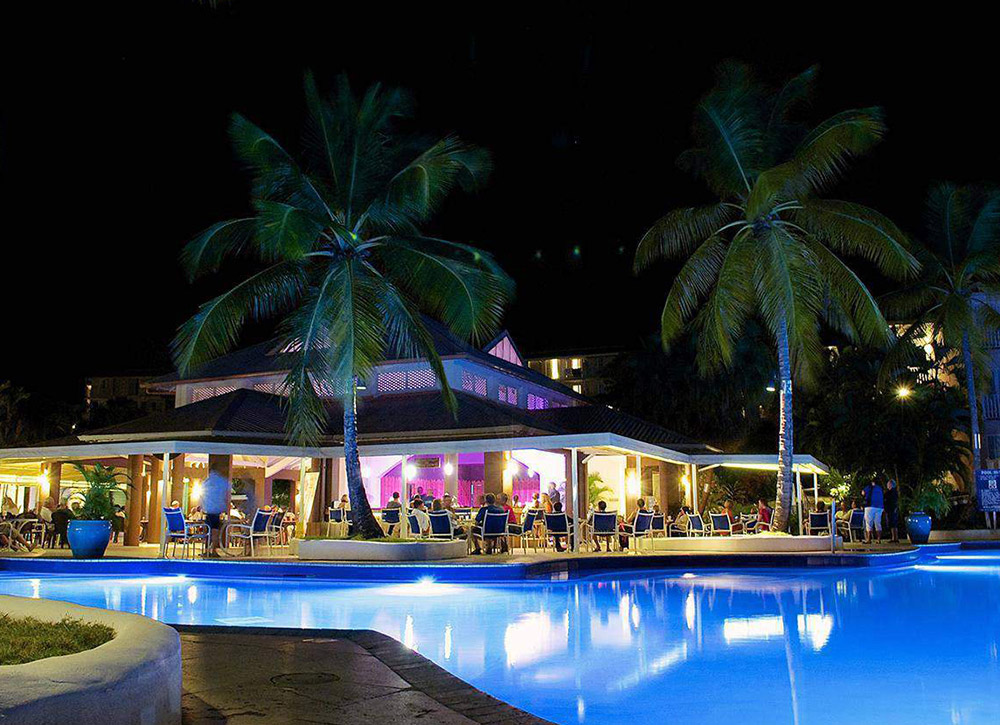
column 914, row 644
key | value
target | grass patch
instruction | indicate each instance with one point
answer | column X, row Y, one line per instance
column 26, row 639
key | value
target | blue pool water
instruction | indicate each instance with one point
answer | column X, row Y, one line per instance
column 910, row 644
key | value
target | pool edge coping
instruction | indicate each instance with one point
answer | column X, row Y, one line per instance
column 422, row 674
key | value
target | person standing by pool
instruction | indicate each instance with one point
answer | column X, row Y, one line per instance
column 891, row 499
column 214, row 492
column 874, row 503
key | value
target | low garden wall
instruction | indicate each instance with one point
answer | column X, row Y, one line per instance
column 736, row 544
column 356, row 550
column 134, row 678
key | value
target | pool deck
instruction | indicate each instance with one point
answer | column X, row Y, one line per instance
column 324, row 676
column 143, row 561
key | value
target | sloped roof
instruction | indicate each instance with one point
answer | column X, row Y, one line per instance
column 405, row 416
column 261, row 359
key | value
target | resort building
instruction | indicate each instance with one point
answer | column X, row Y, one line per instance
column 515, row 431
column 583, row 371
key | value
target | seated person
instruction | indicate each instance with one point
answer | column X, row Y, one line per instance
column 683, row 517
column 626, row 525
column 764, row 513
column 489, row 506
column 394, row 502
column 513, row 522
column 557, row 538
column 735, row 525
column 602, row 507
column 423, row 520
column 344, row 504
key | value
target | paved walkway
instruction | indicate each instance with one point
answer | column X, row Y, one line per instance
column 344, row 677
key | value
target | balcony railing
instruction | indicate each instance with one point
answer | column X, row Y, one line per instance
column 991, row 407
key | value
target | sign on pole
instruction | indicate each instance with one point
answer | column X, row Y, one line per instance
column 988, row 490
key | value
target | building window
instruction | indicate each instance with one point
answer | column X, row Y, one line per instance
column 537, row 402
column 505, row 351
column 507, row 394
column 392, row 381
column 554, row 369
column 473, row 383
column 577, row 388
column 210, row 391
column 420, row 379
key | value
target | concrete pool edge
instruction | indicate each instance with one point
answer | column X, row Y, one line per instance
column 113, row 681
column 423, row 675
column 561, row 568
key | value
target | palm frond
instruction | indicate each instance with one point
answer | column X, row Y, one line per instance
column 215, row 328
column 691, row 285
column 680, row 232
column 206, row 251
column 285, row 231
column 854, row 229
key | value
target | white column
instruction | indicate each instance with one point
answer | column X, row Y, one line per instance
column 164, row 501
column 571, row 496
column 404, row 511
column 798, row 493
column 816, row 488
column 694, row 487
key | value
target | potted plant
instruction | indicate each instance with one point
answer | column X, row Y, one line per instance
column 90, row 531
column 928, row 496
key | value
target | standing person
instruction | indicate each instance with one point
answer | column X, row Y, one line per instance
column 214, row 492
column 874, row 503
column 763, row 515
column 891, row 499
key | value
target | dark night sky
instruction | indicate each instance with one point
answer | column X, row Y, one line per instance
column 113, row 149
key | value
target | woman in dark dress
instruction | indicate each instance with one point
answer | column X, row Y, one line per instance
column 892, row 509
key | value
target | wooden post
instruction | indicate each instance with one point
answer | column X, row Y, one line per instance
column 154, row 515
column 582, row 487
column 662, row 486
column 492, row 472
column 451, row 479
column 177, row 480
column 135, row 496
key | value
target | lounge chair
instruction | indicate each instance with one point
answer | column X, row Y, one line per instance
column 185, row 533
column 336, row 517
column 414, row 525
column 463, row 512
column 855, row 522
column 441, row 527
column 258, row 530
column 722, row 526
column 494, row 527
column 390, row 517
column 527, row 530
column 640, row 529
column 695, row 526
column 658, row 526
column 818, row 523
column 605, row 525
column 558, row 526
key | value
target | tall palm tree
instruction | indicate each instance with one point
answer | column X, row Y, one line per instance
column 769, row 246
column 345, row 268
column 955, row 302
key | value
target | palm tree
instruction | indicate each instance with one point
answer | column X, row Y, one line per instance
column 769, row 246
column 345, row 268
column 956, row 300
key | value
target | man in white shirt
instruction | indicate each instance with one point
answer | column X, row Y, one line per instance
column 423, row 520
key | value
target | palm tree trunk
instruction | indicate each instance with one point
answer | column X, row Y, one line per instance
column 785, row 433
column 364, row 520
column 970, row 384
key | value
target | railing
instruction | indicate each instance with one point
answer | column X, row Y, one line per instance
column 991, row 407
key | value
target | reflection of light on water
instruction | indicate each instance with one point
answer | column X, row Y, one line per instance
column 231, row 595
column 752, row 628
column 689, row 610
column 688, row 575
column 623, row 607
column 581, row 709
column 531, row 637
column 447, row 642
column 408, row 638
column 192, row 594
column 816, row 628
column 36, row 588
column 991, row 570
column 661, row 664
column 635, row 616
column 423, row 587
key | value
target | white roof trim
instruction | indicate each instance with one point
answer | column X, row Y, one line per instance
column 801, row 462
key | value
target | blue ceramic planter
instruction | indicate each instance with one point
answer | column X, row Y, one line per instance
column 89, row 539
column 918, row 526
